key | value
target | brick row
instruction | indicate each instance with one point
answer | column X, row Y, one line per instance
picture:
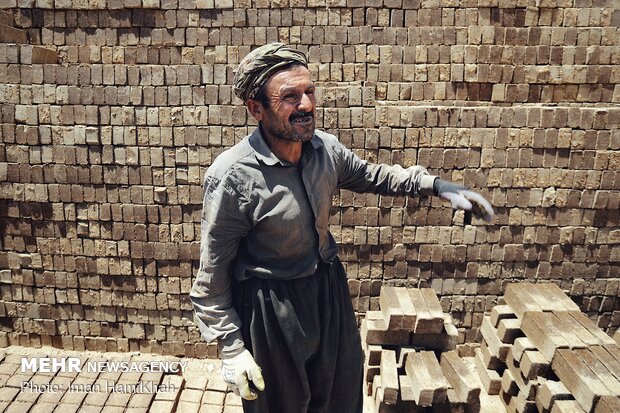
column 543, row 127
column 556, row 54
column 330, row 35
column 198, row 13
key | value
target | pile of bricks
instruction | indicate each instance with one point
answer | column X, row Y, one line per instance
column 541, row 354
column 111, row 111
column 402, row 342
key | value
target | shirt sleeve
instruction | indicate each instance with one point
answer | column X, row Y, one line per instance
column 224, row 224
column 360, row 176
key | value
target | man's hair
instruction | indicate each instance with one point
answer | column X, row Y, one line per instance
column 261, row 97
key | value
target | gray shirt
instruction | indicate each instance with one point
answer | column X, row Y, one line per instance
column 263, row 217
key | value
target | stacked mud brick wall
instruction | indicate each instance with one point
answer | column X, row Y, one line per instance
column 111, row 111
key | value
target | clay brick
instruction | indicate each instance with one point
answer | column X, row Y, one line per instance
column 427, row 321
column 397, row 310
column 542, row 330
column 533, row 364
column 500, row 312
column 461, row 378
column 389, row 377
column 427, row 382
column 549, row 392
column 607, row 404
column 508, row 330
column 585, row 386
column 493, row 342
column 592, row 328
column 374, row 331
column 491, row 381
column 520, row 346
column 518, row 298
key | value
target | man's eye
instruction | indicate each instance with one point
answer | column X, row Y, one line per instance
column 290, row 96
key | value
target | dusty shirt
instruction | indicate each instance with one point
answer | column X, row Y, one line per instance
column 263, row 217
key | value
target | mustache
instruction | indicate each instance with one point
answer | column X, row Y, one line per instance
column 300, row 114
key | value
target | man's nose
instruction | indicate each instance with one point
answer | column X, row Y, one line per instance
column 306, row 103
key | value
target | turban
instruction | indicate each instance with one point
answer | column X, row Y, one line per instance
column 262, row 63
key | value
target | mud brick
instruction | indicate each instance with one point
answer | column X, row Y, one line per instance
column 533, row 364
column 444, row 341
column 617, row 337
column 490, row 361
column 577, row 328
column 559, row 300
column 397, row 313
column 549, row 392
column 373, row 354
column 427, row 382
column 542, row 330
column 607, row 359
column 381, row 407
column 389, row 377
column 585, row 386
column 426, row 322
column 522, row 405
column 370, row 371
column 461, row 379
column 521, row 345
column 508, row 330
column 43, row 55
column 436, row 321
column 491, row 381
column 501, row 312
column 549, row 297
column 608, row 404
column 567, row 406
column 163, row 406
column 509, row 385
column 406, row 393
column 495, row 346
column 592, row 328
column 10, row 34
column 519, row 300
column 602, row 370
column 374, row 331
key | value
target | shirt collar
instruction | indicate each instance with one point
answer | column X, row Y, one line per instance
column 264, row 153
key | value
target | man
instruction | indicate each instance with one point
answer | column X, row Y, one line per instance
column 270, row 286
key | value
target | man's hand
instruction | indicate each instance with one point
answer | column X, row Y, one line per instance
column 238, row 371
column 463, row 198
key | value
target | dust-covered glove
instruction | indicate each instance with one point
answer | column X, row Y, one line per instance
column 240, row 371
column 463, row 198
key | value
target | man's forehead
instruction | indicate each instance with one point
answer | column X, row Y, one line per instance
column 291, row 78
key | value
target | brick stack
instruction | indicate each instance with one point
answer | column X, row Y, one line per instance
column 402, row 371
column 541, row 354
column 113, row 109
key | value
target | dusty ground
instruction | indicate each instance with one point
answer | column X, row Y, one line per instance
column 199, row 389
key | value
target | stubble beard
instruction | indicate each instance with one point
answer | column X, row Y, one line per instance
column 293, row 133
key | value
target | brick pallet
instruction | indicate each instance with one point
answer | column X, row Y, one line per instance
column 541, row 354
column 411, row 364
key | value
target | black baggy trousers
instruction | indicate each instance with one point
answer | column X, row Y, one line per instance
column 303, row 335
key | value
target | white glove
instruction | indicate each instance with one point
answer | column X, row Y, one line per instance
column 238, row 371
column 463, row 198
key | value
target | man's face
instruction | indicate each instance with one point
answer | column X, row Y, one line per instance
column 291, row 112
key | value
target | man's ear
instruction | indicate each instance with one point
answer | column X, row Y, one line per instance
column 255, row 108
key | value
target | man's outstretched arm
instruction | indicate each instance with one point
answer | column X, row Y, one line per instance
column 359, row 175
